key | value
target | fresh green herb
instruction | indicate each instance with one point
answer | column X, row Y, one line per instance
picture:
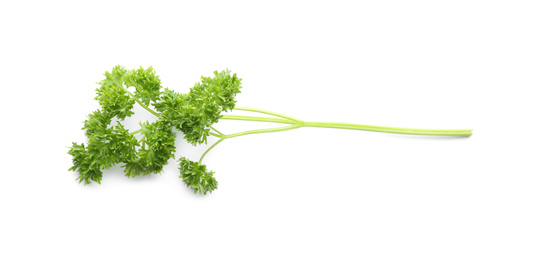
column 148, row 149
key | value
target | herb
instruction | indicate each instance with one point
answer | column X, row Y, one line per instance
column 148, row 149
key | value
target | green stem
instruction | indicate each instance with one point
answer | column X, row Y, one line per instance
column 215, row 130
column 135, row 132
column 215, row 134
column 260, row 131
column 257, row 131
column 373, row 128
column 141, row 104
column 268, row 113
column 210, row 148
column 257, row 119
column 392, row 130
column 294, row 123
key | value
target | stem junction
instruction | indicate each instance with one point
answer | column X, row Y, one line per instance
column 294, row 123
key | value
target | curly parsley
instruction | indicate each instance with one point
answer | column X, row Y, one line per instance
column 148, row 150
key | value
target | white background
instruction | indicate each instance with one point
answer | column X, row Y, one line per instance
column 301, row 194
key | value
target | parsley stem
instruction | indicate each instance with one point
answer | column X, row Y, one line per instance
column 266, row 130
column 135, row 132
column 268, row 113
column 141, row 104
column 259, row 119
column 257, row 131
column 216, row 130
column 215, row 134
column 210, row 148
column 392, row 130
column 384, row 129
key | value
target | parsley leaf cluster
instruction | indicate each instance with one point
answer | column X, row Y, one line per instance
column 193, row 113
column 196, row 176
column 148, row 150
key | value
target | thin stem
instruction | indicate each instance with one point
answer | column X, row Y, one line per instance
column 266, row 130
column 135, row 132
column 220, row 133
column 258, row 119
column 268, row 113
column 362, row 127
column 294, row 123
column 210, row 148
column 215, row 134
column 257, row 131
column 141, row 104
column 393, row 130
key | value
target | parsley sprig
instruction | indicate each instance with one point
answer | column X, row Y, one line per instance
column 148, row 150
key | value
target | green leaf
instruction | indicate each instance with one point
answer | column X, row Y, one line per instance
column 195, row 112
column 192, row 113
column 112, row 146
column 83, row 164
column 147, row 84
column 197, row 177
column 219, row 90
column 112, row 96
column 96, row 123
column 157, row 148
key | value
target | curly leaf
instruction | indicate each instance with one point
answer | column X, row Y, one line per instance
column 197, row 177
column 112, row 95
column 157, row 148
column 195, row 112
column 84, row 164
column 146, row 83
